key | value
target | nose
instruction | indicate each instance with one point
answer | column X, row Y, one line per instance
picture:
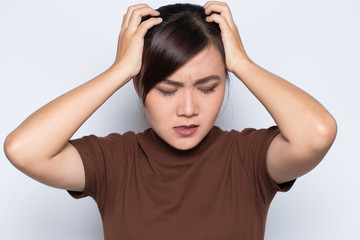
column 188, row 106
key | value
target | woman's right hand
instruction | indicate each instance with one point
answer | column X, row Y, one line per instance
column 131, row 38
column 32, row 147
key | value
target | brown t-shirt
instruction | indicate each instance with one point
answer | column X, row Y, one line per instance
column 147, row 190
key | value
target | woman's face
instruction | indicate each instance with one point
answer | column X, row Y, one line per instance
column 183, row 107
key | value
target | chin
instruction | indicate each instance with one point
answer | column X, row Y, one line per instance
column 184, row 148
column 185, row 144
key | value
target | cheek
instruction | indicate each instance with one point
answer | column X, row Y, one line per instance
column 217, row 99
column 156, row 108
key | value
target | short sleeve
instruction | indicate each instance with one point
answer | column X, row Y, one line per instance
column 101, row 157
column 93, row 160
column 254, row 145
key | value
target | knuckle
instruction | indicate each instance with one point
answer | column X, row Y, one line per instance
column 138, row 12
column 135, row 12
column 130, row 9
column 145, row 25
column 134, row 7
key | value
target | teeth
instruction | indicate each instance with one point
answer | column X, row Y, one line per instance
column 183, row 127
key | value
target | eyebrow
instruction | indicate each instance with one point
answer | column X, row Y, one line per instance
column 197, row 82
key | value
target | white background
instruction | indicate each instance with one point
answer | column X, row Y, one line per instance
column 49, row 47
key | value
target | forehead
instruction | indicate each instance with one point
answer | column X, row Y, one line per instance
column 207, row 62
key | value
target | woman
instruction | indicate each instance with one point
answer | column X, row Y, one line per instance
column 184, row 178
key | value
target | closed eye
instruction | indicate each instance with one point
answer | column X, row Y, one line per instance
column 166, row 92
column 207, row 91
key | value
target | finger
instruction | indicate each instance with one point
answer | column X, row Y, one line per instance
column 221, row 20
column 207, row 5
column 146, row 25
column 224, row 25
column 137, row 14
column 213, row 2
column 222, row 9
column 127, row 15
column 219, row 7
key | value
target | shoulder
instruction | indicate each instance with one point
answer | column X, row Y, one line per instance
column 247, row 133
column 101, row 144
column 255, row 131
column 262, row 135
column 248, row 140
column 127, row 137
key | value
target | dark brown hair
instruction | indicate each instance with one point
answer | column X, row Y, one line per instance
column 180, row 36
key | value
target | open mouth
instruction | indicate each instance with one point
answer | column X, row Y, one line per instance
column 187, row 126
column 186, row 130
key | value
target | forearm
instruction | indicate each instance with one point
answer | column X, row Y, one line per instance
column 301, row 118
column 43, row 134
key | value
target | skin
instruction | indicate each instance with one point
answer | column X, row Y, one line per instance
column 184, row 100
column 32, row 147
column 307, row 128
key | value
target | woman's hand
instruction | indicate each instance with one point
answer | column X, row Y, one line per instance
column 307, row 128
column 220, row 13
column 54, row 161
column 131, row 39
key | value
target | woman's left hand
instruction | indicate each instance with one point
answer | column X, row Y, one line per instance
column 307, row 128
column 220, row 13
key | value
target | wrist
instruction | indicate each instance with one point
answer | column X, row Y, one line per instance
column 119, row 73
column 241, row 66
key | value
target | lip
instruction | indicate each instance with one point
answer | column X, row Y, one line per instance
column 186, row 130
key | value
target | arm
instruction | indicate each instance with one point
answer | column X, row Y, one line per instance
column 39, row 146
column 307, row 128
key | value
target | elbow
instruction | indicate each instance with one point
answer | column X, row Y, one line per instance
column 10, row 148
column 326, row 131
column 13, row 152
